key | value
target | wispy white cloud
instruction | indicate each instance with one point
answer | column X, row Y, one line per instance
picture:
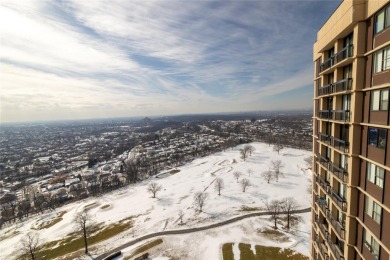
column 118, row 58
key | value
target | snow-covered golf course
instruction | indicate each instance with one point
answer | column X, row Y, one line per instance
column 158, row 214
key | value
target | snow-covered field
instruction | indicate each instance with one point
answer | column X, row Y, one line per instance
column 161, row 213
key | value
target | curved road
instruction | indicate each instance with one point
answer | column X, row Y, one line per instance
column 190, row 230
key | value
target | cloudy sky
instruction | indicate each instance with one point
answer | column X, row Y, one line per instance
column 78, row 59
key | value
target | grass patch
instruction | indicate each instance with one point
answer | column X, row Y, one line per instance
column 272, row 232
column 262, row 252
column 145, row 247
column 174, row 171
column 74, row 241
column 94, row 204
column 227, row 251
column 50, row 223
column 9, row 234
column 246, row 208
column 105, row 206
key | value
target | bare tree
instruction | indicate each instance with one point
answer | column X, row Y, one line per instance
column 244, row 184
column 273, row 208
column 154, row 188
column 199, row 200
column 251, row 149
column 237, row 175
column 132, row 170
column 277, row 166
column 278, row 147
column 249, row 171
column 83, row 221
column 244, row 153
column 268, row 175
column 181, row 215
column 219, row 185
column 288, row 205
column 30, row 244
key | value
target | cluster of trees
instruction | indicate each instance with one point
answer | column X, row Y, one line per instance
column 246, row 151
column 274, row 172
column 285, row 206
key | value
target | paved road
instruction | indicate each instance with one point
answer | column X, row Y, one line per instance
column 190, row 230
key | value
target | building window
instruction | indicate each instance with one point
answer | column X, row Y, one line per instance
column 371, row 244
column 382, row 60
column 373, row 210
column 382, row 19
column 377, row 137
column 375, row 174
column 380, row 100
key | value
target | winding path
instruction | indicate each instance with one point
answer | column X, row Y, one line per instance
column 191, row 230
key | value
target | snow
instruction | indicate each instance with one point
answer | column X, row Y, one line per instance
column 161, row 213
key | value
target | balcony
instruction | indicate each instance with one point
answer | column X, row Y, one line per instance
column 335, row 87
column 322, row 160
column 325, row 90
column 340, row 144
column 340, row 173
column 321, row 247
column 341, row 202
column 324, row 184
column 337, row 115
column 337, row 226
column 346, row 52
column 326, row 64
column 325, row 138
column 321, row 202
column 342, row 85
column 335, row 249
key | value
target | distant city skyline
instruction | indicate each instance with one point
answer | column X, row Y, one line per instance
column 70, row 59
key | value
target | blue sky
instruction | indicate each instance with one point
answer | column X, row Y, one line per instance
column 95, row 59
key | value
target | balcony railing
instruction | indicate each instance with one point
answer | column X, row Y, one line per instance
column 321, row 247
column 322, row 182
column 321, row 202
column 325, row 138
column 326, row 64
column 346, row 52
column 342, row 85
column 341, row 202
column 341, row 173
column 339, row 115
column 322, row 160
column 335, row 249
column 335, row 87
column 335, row 142
column 340, row 144
column 339, row 227
column 325, row 90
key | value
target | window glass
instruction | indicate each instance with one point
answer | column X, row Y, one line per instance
column 375, row 100
column 377, row 212
column 380, row 19
column 373, row 137
column 378, row 61
column 382, row 138
column 380, row 176
column 384, row 99
column 387, row 22
column 368, row 206
column 386, row 59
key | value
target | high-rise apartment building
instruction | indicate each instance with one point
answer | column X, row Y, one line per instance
column 351, row 133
